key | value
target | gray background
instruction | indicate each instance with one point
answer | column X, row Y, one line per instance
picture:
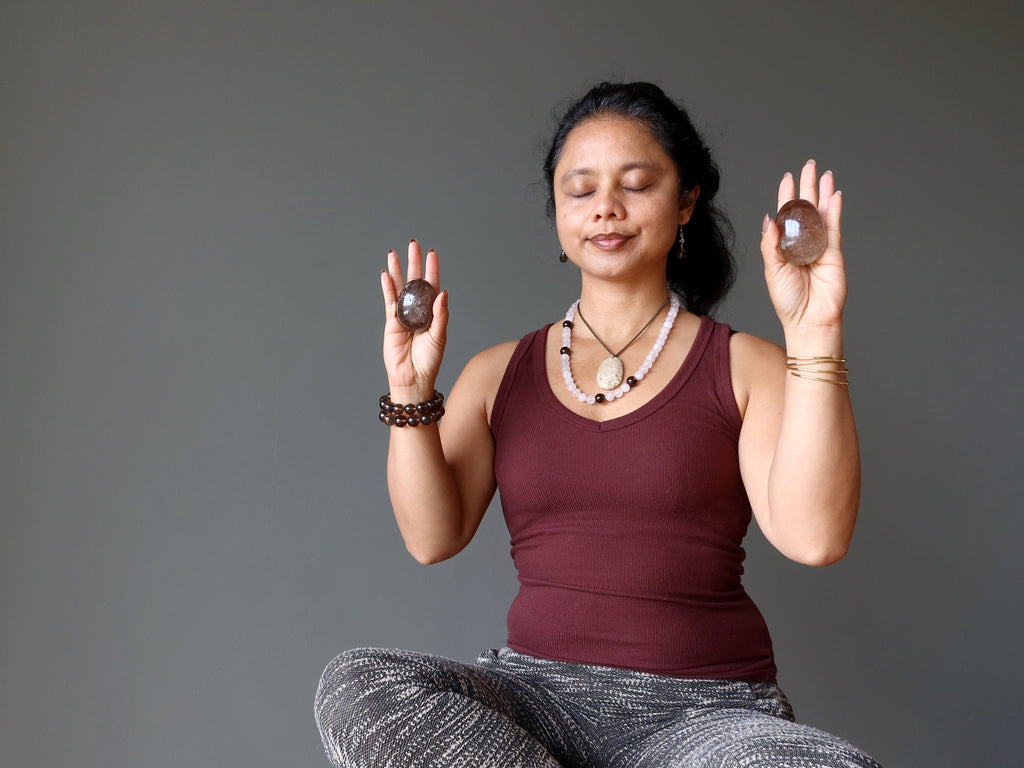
column 195, row 201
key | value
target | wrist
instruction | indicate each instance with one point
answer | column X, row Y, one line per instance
column 806, row 341
column 411, row 393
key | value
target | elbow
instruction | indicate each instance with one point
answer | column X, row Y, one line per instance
column 816, row 550
column 428, row 558
column 425, row 555
column 819, row 557
column 819, row 551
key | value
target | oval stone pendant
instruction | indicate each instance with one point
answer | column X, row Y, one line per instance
column 609, row 374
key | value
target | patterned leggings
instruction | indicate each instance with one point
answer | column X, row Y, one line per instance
column 395, row 709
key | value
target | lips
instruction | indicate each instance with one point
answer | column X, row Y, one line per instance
column 609, row 241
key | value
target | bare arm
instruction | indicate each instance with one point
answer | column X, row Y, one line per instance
column 440, row 476
column 799, row 453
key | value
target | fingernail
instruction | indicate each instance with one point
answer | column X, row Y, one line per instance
column 764, row 223
column 827, row 173
column 811, row 161
column 431, row 251
column 787, row 175
column 412, row 239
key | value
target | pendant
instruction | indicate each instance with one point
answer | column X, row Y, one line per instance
column 609, row 374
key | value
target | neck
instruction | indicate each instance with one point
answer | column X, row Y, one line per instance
column 617, row 312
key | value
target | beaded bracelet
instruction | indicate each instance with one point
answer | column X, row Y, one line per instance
column 801, row 366
column 402, row 415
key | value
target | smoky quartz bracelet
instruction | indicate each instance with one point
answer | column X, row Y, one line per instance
column 409, row 415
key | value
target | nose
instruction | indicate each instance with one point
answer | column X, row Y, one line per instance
column 608, row 204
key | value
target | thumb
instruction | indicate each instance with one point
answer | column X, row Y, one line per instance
column 439, row 327
column 770, row 243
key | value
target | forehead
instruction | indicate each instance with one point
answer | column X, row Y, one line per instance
column 610, row 140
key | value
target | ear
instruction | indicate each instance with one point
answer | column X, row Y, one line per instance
column 687, row 203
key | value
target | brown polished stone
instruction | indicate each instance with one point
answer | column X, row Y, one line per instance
column 416, row 305
column 802, row 236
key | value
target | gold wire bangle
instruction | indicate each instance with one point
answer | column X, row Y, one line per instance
column 837, row 382
column 817, row 370
column 801, row 366
column 823, row 358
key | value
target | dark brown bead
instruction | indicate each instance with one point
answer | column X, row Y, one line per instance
column 426, row 418
column 802, row 236
column 410, row 409
column 631, row 380
column 598, row 398
column 416, row 305
column 401, row 421
column 564, row 351
column 413, row 421
column 567, row 323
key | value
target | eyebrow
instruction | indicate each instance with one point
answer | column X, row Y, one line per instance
column 624, row 169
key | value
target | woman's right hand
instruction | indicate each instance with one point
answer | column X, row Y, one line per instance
column 412, row 359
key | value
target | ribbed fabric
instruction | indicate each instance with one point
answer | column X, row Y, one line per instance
column 397, row 709
column 627, row 533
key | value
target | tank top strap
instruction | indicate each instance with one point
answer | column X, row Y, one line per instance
column 721, row 334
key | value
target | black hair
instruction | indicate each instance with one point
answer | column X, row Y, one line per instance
column 707, row 272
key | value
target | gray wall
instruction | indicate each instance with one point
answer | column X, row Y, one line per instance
column 195, row 201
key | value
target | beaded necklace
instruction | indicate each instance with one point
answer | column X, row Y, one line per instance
column 631, row 381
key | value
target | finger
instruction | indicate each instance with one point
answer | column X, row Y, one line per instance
column 414, row 270
column 433, row 270
column 395, row 270
column 390, row 286
column 809, row 182
column 388, row 289
column 832, row 221
column 787, row 190
column 826, row 186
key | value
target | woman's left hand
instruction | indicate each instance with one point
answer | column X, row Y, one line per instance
column 811, row 296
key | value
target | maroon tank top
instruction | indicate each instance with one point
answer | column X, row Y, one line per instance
column 627, row 533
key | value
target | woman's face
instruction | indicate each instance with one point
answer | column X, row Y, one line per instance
column 617, row 207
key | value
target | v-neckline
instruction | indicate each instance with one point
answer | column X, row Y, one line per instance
column 689, row 363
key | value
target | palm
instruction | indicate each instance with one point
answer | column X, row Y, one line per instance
column 412, row 359
column 812, row 295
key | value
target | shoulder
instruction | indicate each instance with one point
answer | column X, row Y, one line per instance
column 492, row 361
column 757, row 368
column 480, row 379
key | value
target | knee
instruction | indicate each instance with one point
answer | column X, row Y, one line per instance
column 358, row 692
column 348, row 680
column 798, row 745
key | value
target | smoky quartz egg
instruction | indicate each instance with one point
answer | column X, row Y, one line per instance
column 802, row 236
column 416, row 305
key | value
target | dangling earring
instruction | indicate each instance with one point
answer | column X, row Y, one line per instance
column 682, row 244
column 562, row 257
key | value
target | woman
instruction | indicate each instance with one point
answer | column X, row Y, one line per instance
column 631, row 642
